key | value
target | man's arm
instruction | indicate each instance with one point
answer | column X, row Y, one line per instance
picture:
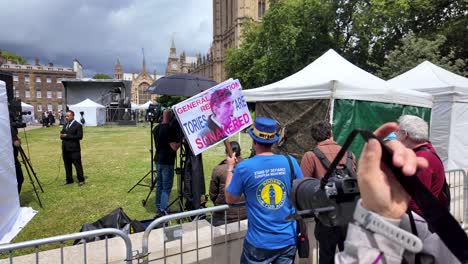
column 214, row 183
column 230, row 198
column 78, row 135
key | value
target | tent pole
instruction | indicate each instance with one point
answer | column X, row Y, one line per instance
column 332, row 101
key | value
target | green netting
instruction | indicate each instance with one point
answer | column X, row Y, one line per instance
column 352, row 114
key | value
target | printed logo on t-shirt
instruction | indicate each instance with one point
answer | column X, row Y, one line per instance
column 271, row 194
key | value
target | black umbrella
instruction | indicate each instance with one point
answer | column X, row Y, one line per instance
column 181, row 84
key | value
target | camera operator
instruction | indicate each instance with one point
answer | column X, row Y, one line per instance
column 315, row 164
column 384, row 204
column 167, row 142
column 16, row 145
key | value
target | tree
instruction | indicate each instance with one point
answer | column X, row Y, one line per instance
column 16, row 59
column 416, row 50
column 101, row 76
column 293, row 33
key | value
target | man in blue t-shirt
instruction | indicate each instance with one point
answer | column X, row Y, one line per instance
column 265, row 181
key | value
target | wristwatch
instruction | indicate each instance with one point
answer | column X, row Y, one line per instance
column 377, row 224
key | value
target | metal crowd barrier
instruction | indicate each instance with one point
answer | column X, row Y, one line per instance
column 458, row 182
column 180, row 216
column 60, row 239
column 457, row 179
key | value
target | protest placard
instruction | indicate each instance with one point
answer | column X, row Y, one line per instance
column 213, row 115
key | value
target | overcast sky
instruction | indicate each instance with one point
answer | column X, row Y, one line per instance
column 97, row 32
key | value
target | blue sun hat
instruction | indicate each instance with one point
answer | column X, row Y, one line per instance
column 264, row 130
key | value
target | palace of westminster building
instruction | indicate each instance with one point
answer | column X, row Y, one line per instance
column 229, row 17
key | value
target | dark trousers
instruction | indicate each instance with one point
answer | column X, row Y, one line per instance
column 19, row 171
column 329, row 238
column 74, row 158
column 252, row 255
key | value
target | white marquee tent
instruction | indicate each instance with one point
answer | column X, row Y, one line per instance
column 145, row 105
column 12, row 217
column 449, row 113
column 332, row 76
column 29, row 118
column 332, row 88
column 94, row 113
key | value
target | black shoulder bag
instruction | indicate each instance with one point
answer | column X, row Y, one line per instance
column 302, row 235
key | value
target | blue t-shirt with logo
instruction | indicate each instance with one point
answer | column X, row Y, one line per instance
column 266, row 182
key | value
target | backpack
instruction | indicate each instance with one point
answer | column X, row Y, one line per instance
column 446, row 187
column 341, row 170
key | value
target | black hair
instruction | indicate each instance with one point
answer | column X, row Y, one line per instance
column 236, row 148
column 70, row 111
column 321, row 131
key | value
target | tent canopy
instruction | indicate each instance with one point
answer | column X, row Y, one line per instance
column 88, row 103
column 93, row 113
column 331, row 88
column 26, row 107
column 145, row 105
column 450, row 112
column 430, row 78
column 332, row 76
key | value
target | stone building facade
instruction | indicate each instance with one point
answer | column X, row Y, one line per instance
column 229, row 17
column 40, row 85
column 140, row 82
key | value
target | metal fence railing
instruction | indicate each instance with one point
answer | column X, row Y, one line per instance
column 177, row 233
column 218, row 244
column 10, row 248
column 187, row 237
column 458, row 182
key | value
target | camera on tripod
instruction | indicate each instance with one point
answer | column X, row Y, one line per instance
column 16, row 113
column 14, row 104
column 331, row 199
column 153, row 113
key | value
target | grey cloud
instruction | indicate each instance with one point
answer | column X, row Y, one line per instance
column 99, row 32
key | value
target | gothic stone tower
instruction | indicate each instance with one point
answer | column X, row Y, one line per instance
column 173, row 64
column 229, row 16
column 118, row 72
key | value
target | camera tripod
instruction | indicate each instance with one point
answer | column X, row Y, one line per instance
column 180, row 172
column 29, row 170
column 152, row 171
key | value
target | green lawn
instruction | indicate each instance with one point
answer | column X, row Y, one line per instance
column 114, row 159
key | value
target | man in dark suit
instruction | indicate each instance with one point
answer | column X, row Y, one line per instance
column 71, row 135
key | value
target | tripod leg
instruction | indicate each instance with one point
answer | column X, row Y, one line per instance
column 153, row 185
column 138, row 183
column 24, row 158
column 28, row 164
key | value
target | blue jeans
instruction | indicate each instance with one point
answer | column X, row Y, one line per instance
column 164, row 180
column 250, row 254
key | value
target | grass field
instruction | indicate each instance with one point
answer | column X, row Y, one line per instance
column 114, row 159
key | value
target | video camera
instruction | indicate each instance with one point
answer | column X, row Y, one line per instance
column 16, row 113
column 332, row 198
column 14, row 104
column 153, row 113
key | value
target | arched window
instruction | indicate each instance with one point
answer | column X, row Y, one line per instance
column 261, row 8
column 142, row 96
